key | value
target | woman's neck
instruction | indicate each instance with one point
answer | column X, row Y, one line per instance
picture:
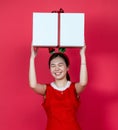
column 60, row 83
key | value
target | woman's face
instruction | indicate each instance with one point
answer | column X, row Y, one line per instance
column 58, row 68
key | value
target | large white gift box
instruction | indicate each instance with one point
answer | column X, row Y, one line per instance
column 58, row 29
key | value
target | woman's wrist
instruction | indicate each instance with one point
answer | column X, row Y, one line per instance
column 83, row 59
column 83, row 63
column 82, row 54
column 32, row 57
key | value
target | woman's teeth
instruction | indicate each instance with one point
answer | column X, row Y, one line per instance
column 57, row 74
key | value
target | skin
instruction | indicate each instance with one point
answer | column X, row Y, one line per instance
column 58, row 70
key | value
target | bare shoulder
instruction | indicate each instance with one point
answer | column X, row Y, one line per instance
column 79, row 87
column 40, row 89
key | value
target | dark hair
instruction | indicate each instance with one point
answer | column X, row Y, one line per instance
column 64, row 57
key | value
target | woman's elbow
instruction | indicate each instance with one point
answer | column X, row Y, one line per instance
column 32, row 85
column 84, row 83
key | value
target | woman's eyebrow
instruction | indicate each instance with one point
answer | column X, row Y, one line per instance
column 61, row 63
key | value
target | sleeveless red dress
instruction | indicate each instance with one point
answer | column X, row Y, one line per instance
column 61, row 108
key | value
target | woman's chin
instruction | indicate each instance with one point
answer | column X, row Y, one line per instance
column 59, row 77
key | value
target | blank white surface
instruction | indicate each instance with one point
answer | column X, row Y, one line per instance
column 45, row 29
column 72, row 29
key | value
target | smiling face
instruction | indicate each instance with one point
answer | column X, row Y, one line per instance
column 58, row 68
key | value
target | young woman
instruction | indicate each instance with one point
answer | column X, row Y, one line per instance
column 61, row 96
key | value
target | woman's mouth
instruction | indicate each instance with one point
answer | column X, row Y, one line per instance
column 58, row 73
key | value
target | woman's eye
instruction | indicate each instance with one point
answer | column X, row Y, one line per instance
column 52, row 66
column 60, row 65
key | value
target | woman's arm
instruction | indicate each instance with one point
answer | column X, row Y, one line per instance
column 39, row 88
column 83, row 72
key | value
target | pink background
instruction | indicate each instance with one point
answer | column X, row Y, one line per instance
column 20, row 107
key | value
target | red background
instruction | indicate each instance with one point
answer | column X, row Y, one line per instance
column 20, row 107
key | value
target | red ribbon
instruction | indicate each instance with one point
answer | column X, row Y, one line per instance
column 51, row 49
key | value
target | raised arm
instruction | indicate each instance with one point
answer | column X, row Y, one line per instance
column 83, row 72
column 39, row 88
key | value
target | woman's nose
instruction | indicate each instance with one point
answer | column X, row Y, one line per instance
column 56, row 68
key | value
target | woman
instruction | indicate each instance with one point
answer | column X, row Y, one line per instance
column 61, row 96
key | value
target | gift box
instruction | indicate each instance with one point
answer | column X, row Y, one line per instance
column 58, row 29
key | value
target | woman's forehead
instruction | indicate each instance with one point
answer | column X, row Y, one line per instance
column 57, row 60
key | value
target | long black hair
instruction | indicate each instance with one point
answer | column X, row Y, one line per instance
column 64, row 57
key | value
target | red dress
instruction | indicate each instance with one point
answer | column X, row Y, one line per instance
column 61, row 108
